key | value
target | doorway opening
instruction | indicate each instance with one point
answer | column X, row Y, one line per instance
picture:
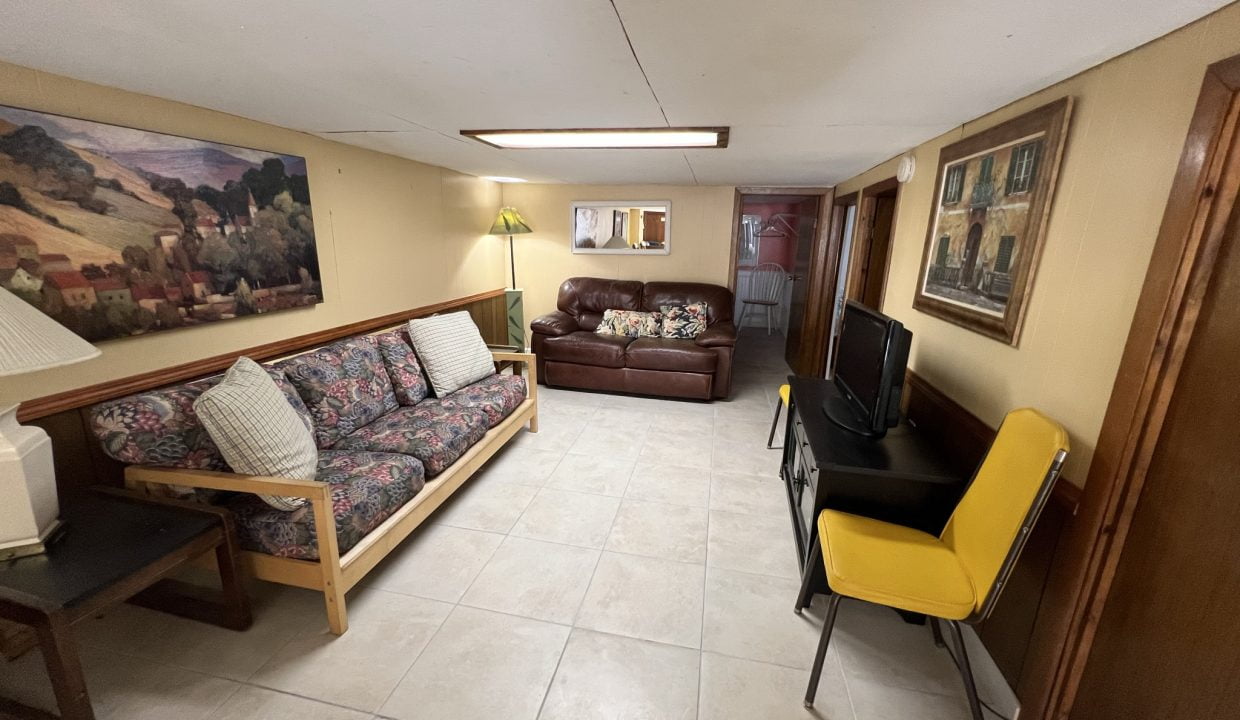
column 871, row 251
column 843, row 228
column 777, row 269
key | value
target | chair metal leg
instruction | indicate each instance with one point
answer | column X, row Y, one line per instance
column 770, row 440
column 740, row 323
column 936, row 631
column 806, row 595
column 833, row 605
column 768, row 319
column 966, row 672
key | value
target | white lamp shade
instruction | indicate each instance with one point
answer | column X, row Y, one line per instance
column 30, row 340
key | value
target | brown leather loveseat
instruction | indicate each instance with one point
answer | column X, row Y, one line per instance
column 571, row 354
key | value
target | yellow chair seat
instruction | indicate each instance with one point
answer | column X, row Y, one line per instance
column 894, row 566
column 783, row 393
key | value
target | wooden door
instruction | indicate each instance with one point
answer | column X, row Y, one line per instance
column 971, row 247
column 807, row 223
column 1168, row 641
column 874, row 272
column 653, row 223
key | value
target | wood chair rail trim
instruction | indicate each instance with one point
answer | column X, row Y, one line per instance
column 86, row 396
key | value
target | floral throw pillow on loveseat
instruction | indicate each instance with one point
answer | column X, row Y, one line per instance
column 684, row 322
column 629, row 323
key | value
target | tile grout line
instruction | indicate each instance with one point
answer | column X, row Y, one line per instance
column 705, row 582
column 573, row 623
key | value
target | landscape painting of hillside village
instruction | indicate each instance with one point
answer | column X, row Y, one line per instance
column 114, row 231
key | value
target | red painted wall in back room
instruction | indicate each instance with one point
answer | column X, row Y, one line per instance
column 774, row 249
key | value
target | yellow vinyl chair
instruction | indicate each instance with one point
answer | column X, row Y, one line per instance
column 958, row 575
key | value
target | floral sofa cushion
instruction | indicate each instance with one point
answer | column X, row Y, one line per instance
column 430, row 431
column 496, row 395
column 685, row 322
column 629, row 323
column 158, row 428
column 345, row 385
column 366, row 489
column 402, row 366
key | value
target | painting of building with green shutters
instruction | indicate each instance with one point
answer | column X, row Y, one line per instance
column 980, row 225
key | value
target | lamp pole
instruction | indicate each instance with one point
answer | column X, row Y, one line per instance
column 512, row 259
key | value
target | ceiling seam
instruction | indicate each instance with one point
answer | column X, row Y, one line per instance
column 688, row 164
column 641, row 69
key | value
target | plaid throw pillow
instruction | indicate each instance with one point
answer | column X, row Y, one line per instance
column 257, row 430
column 684, row 322
column 629, row 323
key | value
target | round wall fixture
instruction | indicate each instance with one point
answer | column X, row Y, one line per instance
column 906, row 168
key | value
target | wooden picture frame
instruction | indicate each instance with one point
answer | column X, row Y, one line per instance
column 993, row 194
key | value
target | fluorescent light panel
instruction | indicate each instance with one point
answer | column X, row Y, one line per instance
column 503, row 179
column 604, row 138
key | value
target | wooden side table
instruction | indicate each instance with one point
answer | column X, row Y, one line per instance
column 116, row 547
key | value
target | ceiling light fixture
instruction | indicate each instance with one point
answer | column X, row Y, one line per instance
column 604, row 138
column 502, row 179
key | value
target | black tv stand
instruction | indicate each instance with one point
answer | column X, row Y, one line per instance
column 838, row 411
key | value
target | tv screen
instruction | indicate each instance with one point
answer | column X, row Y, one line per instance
column 869, row 370
column 862, row 350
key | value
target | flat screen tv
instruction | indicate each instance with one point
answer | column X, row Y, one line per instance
column 869, row 371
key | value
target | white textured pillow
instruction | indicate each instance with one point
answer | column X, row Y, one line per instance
column 452, row 351
column 257, row 430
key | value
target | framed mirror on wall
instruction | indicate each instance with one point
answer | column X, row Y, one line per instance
column 622, row 227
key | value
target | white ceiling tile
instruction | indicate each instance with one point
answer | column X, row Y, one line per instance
column 814, row 90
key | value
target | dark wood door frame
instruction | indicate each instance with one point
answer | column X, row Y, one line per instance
column 1194, row 225
column 863, row 237
column 823, row 262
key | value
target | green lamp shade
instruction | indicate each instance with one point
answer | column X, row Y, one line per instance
column 509, row 222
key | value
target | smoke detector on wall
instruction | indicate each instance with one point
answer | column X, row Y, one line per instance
column 906, row 168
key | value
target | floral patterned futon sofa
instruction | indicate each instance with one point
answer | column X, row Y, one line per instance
column 383, row 443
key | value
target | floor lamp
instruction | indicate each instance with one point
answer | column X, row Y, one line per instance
column 29, row 510
column 509, row 222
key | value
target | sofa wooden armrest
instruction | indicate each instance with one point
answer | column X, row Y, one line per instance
column 233, row 482
column 531, row 377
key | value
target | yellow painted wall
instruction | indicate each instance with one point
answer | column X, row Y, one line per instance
column 392, row 233
column 1127, row 131
column 701, row 220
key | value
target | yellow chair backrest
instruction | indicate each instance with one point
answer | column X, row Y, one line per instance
column 989, row 518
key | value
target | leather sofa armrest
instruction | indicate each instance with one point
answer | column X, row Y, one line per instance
column 718, row 335
column 554, row 323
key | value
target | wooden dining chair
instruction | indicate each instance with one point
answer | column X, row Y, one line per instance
column 764, row 288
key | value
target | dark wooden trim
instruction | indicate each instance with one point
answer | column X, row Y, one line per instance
column 863, row 239
column 1203, row 196
column 1052, row 119
column 824, row 261
column 823, row 267
column 721, row 142
column 787, row 190
column 738, row 201
column 82, row 397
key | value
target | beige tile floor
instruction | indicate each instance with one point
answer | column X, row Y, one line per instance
column 632, row 560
